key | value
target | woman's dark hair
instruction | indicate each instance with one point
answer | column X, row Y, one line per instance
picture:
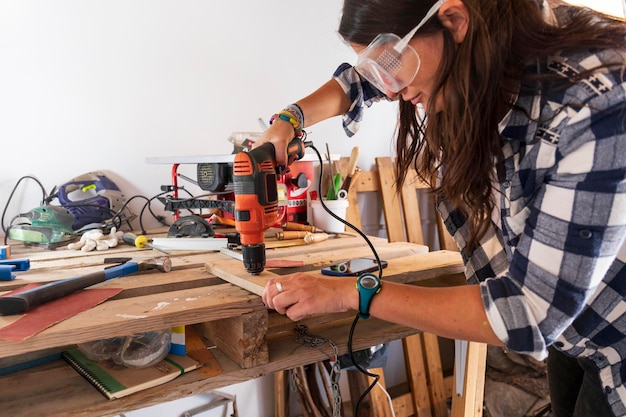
column 477, row 79
column 362, row 21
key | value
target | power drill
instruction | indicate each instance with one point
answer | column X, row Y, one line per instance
column 255, row 176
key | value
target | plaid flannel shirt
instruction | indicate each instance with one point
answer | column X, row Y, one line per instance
column 552, row 266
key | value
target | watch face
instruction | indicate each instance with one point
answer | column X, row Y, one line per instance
column 369, row 282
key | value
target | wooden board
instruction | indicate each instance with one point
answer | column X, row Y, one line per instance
column 61, row 392
column 140, row 314
column 233, row 271
column 190, row 294
column 421, row 265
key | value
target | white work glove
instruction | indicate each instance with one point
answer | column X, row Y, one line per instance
column 96, row 239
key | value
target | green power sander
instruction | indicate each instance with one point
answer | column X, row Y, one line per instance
column 47, row 226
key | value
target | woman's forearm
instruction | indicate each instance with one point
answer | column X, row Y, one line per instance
column 327, row 101
column 452, row 312
column 467, row 321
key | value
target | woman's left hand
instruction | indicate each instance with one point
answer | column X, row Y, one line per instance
column 303, row 294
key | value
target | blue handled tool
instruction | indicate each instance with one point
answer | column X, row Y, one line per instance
column 19, row 264
column 6, row 272
column 24, row 301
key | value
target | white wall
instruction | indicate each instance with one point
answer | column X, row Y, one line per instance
column 101, row 85
column 612, row 7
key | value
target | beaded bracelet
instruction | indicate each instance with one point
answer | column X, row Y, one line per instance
column 288, row 117
column 296, row 112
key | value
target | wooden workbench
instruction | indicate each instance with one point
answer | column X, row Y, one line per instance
column 257, row 341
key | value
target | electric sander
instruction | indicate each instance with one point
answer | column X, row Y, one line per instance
column 47, row 226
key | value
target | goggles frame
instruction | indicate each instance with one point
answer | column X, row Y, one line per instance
column 389, row 62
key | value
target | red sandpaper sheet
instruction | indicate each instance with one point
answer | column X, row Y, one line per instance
column 48, row 314
column 283, row 263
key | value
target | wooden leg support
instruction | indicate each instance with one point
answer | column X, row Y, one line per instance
column 242, row 338
column 281, row 394
column 424, row 372
column 470, row 403
column 417, row 375
column 436, row 385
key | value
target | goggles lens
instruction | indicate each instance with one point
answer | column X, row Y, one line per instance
column 390, row 63
column 386, row 68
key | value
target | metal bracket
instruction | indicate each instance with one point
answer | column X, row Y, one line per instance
column 460, row 362
column 218, row 399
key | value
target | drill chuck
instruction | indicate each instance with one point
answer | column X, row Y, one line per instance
column 254, row 258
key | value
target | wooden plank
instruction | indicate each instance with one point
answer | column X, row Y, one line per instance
column 470, row 403
column 362, row 182
column 380, row 402
column 233, row 271
column 60, row 391
column 357, row 384
column 48, row 266
column 140, row 314
column 417, row 375
column 54, row 269
column 411, row 206
column 391, row 201
column 435, row 375
column 403, row 405
column 281, row 394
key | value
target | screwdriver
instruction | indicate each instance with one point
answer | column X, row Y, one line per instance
column 139, row 241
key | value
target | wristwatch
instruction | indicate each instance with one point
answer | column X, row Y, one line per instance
column 368, row 286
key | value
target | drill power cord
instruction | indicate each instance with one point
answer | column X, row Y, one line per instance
column 375, row 377
column 350, row 225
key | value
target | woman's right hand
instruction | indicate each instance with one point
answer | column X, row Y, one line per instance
column 279, row 133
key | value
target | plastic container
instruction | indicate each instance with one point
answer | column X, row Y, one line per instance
column 137, row 351
column 323, row 220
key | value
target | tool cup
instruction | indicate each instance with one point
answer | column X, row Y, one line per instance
column 323, row 220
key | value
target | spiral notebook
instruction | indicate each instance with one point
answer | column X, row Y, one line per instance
column 115, row 381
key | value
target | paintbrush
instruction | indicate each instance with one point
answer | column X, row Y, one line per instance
column 354, row 156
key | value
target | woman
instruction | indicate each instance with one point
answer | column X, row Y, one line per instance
column 520, row 106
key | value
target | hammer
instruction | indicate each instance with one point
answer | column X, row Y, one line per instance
column 23, row 301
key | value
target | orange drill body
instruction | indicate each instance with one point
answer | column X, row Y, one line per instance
column 255, row 182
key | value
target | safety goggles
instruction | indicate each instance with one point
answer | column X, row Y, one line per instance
column 390, row 63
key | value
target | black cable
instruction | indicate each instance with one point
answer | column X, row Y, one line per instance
column 43, row 189
column 149, row 201
column 350, row 225
column 190, row 199
column 359, row 367
column 117, row 218
column 380, row 276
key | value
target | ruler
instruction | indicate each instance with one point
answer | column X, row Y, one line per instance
column 190, row 243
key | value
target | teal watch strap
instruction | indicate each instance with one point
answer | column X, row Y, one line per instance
column 368, row 286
